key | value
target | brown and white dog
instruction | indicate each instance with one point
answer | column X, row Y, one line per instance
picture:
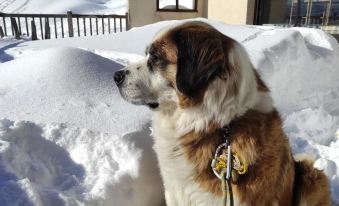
column 198, row 80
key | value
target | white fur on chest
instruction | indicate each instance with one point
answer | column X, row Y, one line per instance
column 177, row 172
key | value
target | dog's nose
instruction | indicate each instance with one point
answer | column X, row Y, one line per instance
column 119, row 77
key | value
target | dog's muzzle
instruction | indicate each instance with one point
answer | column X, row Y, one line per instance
column 133, row 93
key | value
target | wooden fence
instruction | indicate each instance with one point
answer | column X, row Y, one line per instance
column 60, row 25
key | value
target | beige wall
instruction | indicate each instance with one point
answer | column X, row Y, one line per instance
column 231, row 11
column 145, row 12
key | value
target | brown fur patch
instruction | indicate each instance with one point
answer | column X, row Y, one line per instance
column 208, row 46
column 166, row 50
column 169, row 74
column 186, row 102
column 311, row 185
column 260, row 141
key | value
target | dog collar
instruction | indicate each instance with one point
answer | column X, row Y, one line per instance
column 225, row 160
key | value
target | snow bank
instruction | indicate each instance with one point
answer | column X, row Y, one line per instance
column 58, row 165
column 66, row 85
column 105, row 163
column 301, row 68
column 312, row 131
column 33, row 169
column 69, row 95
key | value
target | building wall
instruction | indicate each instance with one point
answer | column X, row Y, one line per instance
column 231, row 11
column 145, row 12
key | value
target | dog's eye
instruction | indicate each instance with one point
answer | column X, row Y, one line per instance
column 154, row 57
column 156, row 60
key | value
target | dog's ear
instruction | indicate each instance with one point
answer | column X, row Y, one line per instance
column 201, row 57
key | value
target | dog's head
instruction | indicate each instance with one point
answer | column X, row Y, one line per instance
column 189, row 66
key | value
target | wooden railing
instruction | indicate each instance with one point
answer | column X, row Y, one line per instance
column 60, row 25
column 311, row 20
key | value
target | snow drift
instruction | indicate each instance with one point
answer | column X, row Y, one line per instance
column 57, row 165
column 66, row 85
column 106, row 163
column 69, row 102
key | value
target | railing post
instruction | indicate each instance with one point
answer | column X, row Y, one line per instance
column 70, row 24
column 96, row 24
column 12, row 28
column 16, row 32
column 41, row 28
column 90, row 25
column 47, row 29
column 297, row 15
column 1, row 32
column 115, row 24
column 33, row 29
column 103, row 25
column 4, row 21
column 78, row 26
column 120, row 24
column 84, row 22
column 55, row 29
column 26, row 21
column 62, row 27
column 109, row 25
column 127, row 26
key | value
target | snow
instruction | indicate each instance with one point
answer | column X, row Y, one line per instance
column 68, row 84
column 36, row 165
column 81, row 152
column 67, row 137
column 62, row 6
column 55, row 164
column 135, row 40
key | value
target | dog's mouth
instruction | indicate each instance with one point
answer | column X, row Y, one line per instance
column 137, row 96
column 150, row 104
column 153, row 105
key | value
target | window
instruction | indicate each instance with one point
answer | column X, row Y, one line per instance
column 177, row 5
column 309, row 13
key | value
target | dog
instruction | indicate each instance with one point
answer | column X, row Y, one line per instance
column 197, row 81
